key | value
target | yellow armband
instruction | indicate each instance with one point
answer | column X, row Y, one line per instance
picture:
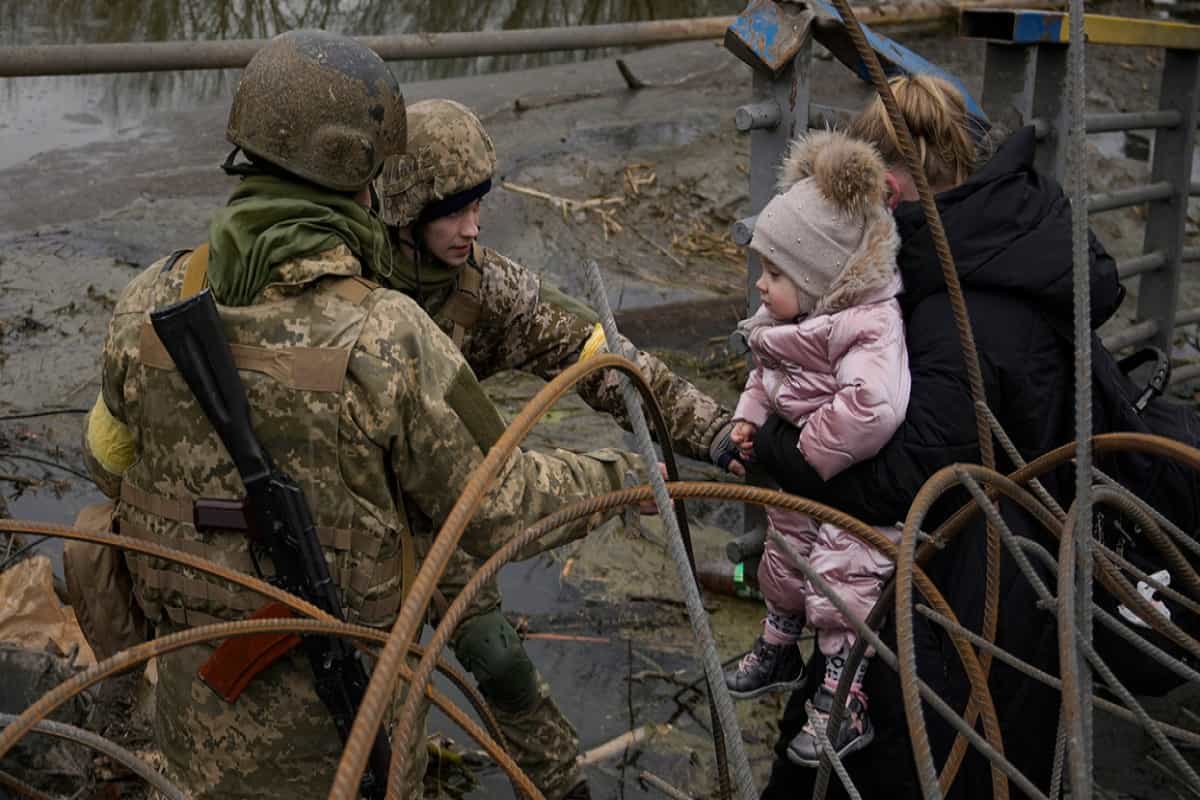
column 109, row 439
column 594, row 344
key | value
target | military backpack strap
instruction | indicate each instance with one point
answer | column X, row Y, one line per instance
column 195, row 278
column 354, row 289
column 465, row 305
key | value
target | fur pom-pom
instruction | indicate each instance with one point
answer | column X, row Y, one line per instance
column 848, row 172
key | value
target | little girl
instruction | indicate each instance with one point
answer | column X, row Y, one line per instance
column 828, row 343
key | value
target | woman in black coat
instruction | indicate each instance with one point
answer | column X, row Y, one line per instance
column 1010, row 232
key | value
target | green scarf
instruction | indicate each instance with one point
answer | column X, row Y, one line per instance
column 431, row 275
column 270, row 220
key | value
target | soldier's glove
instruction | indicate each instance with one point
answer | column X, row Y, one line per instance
column 724, row 453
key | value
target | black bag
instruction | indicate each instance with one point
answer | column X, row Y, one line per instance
column 1170, row 487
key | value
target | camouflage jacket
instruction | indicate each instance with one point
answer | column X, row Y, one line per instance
column 382, row 441
column 528, row 326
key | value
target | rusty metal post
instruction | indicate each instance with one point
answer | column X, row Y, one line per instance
column 775, row 40
column 1008, row 79
column 1158, row 291
column 1023, row 85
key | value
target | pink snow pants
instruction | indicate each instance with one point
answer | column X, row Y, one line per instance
column 853, row 569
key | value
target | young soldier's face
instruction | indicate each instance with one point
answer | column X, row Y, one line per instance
column 449, row 238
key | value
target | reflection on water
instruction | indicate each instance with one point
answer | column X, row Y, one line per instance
column 37, row 114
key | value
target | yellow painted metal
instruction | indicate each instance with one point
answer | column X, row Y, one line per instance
column 1034, row 27
column 1103, row 29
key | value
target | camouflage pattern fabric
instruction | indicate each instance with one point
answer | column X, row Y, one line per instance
column 277, row 742
column 448, row 152
column 384, row 449
column 519, row 329
column 544, row 743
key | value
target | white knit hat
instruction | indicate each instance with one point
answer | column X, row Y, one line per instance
column 833, row 189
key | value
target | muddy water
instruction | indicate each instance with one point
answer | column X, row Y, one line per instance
column 38, row 114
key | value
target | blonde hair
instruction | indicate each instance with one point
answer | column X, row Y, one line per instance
column 937, row 118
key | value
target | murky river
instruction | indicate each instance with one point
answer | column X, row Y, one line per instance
column 39, row 114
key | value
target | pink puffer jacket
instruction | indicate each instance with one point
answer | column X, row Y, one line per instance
column 842, row 376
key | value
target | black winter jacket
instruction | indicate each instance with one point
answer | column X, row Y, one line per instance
column 1010, row 232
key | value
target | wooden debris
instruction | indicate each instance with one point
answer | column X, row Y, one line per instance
column 567, row 637
column 639, row 175
column 618, row 746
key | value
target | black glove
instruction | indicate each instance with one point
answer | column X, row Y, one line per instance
column 722, row 451
column 776, row 452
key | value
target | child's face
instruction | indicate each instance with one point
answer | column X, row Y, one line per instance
column 779, row 293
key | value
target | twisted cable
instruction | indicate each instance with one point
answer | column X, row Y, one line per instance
column 888, row 656
column 139, row 654
column 966, row 337
column 21, row 788
column 109, row 748
column 711, row 491
column 1079, row 728
column 412, row 612
column 724, row 718
column 1190, row 738
column 250, row 582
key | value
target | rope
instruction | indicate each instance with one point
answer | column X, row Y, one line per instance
column 1118, row 627
column 1174, row 530
column 1014, row 455
column 376, row 699
column 725, row 721
column 1066, row 550
column 1060, row 752
column 679, row 491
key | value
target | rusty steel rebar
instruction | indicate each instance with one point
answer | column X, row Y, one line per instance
column 139, row 654
column 412, row 611
column 962, row 321
column 120, row 755
column 692, row 490
column 270, row 591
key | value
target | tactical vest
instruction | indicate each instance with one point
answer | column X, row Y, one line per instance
column 292, row 355
column 465, row 303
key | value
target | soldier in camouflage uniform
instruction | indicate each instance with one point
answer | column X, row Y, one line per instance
column 353, row 389
column 504, row 318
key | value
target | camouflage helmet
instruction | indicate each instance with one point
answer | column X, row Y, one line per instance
column 449, row 153
column 320, row 106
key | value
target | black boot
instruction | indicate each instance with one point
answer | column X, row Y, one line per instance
column 856, row 731
column 766, row 668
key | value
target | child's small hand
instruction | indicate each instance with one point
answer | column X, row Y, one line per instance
column 648, row 507
column 743, row 437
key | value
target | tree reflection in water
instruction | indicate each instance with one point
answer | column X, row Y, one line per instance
column 125, row 100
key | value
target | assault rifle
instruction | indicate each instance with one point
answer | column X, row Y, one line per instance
column 278, row 514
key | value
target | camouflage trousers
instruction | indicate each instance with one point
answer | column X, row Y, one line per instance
column 539, row 738
column 277, row 742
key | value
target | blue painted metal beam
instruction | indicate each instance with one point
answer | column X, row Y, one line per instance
column 895, row 58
